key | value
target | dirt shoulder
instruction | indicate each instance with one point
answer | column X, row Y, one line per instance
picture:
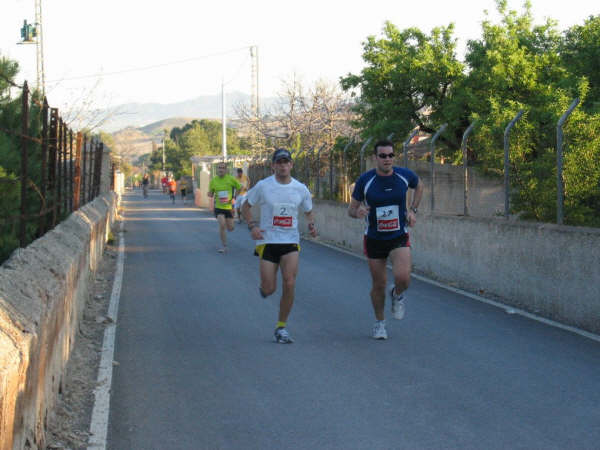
column 69, row 424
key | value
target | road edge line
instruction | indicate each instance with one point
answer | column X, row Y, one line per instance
column 101, row 409
column 507, row 308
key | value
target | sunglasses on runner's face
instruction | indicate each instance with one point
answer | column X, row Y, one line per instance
column 385, row 155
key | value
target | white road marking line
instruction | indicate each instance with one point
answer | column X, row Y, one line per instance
column 507, row 308
column 100, row 413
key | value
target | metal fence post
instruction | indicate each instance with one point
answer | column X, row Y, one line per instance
column 318, row 183
column 24, row 162
column 98, row 168
column 91, row 159
column 405, row 145
column 77, row 176
column 52, row 154
column 65, row 173
column 507, row 162
column 560, row 198
column 346, row 194
column 307, row 167
column 71, row 169
column 331, row 156
column 466, row 167
column 44, row 169
column 432, row 171
column 362, row 154
column 59, row 176
column 83, row 171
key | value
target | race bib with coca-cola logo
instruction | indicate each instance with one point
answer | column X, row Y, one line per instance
column 284, row 215
column 388, row 218
column 223, row 196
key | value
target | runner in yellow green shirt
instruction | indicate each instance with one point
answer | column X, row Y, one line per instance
column 222, row 188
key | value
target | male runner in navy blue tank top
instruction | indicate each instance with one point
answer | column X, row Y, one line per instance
column 380, row 197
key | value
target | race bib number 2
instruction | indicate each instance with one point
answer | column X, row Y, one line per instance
column 388, row 218
column 284, row 215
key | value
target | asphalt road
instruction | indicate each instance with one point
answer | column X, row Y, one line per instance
column 197, row 368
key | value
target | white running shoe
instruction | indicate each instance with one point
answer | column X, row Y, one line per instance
column 379, row 330
column 397, row 305
column 281, row 336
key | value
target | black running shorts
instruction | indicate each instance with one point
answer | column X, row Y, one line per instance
column 274, row 252
column 380, row 249
column 226, row 212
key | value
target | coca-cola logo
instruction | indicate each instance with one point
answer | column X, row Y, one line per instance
column 384, row 225
column 282, row 221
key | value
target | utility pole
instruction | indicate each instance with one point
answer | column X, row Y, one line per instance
column 224, row 120
column 33, row 34
column 163, row 152
column 254, row 102
column 39, row 45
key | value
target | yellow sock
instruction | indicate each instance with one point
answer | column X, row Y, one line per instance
column 280, row 325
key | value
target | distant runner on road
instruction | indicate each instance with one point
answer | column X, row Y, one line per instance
column 240, row 195
column 277, row 238
column 172, row 184
column 145, row 185
column 223, row 186
column 380, row 196
column 183, row 188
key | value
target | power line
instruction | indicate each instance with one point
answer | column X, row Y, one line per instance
column 237, row 72
column 155, row 66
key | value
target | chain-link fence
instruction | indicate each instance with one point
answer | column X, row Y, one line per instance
column 459, row 189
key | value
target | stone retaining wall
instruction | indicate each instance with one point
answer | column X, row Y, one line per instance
column 43, row 289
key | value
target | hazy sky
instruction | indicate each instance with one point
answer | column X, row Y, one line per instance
column 313, row 38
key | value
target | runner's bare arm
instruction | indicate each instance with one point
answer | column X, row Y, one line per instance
column 411, row 216
column 256, row 232
column 310, row 220
column 356, row 209
column 246, row 214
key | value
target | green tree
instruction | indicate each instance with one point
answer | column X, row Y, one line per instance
column 580, row 52
column 414, row 79
column 204, row 137
column 407, row 81
column 516, row 65
column 11, row 115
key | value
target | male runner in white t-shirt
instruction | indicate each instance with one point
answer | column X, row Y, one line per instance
column 277, row 238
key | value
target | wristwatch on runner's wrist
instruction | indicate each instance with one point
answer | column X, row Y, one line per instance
column 414, row 210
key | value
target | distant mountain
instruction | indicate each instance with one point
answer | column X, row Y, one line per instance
column 132, row 142
column 204, row 107
column 156, row 128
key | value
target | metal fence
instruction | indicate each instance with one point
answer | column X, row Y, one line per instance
column 59, row 171
column 329, row 172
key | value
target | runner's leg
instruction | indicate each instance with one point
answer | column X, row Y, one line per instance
column 401, row 267
column 378, row 275
column 222, row 234
column 230, row 223
column 268, row 277
column 289, row 271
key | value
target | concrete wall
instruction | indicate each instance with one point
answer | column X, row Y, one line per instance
column 201, row 197
column 485, row 193
column 550, row 270
column 43, row 289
